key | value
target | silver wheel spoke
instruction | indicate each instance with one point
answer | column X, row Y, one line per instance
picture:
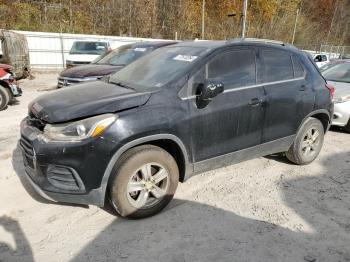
column 308, row 150
column 142, row 199
column 315, row 135
column 309, row 134
column 157, row 192
column 160, row 175
column 146, row 171
column 135, row 186
column 304, row 144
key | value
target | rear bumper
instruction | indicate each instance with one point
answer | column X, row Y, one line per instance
column 341, row 114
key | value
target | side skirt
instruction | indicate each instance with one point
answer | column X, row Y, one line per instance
column 273, row 147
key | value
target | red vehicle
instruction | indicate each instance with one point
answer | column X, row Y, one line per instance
column 9, row 88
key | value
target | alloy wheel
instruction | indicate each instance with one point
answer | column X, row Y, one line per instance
column 310, row 143
column 148, row 185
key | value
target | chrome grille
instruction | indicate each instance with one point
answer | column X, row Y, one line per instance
column 66, row 81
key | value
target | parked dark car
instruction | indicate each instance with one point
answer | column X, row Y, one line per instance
column 178, row 111
column 108, row 64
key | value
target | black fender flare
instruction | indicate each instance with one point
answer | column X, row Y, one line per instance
column 315, row 112
column 136, row 142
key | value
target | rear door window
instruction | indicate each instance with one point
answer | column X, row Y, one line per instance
column 275, row 65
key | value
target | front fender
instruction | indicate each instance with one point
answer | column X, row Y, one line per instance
column 136, row 142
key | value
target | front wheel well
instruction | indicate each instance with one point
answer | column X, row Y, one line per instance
column 175, row 151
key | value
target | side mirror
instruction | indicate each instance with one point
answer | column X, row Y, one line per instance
column 207, row 91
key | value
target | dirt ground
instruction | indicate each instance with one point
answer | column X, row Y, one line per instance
column 265, row 209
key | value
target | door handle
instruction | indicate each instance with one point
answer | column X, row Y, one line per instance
column 256, row 102
column 302, row 88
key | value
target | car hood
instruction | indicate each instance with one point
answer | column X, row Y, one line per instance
column 90, row 70
column 341, row 88
column 83, row 100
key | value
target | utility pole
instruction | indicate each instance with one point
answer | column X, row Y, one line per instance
column 233, row 16
column 245, row 6
column 203, row 12
column 129, row 18
column 330, row 28
column 70, row 16
column 295, row 26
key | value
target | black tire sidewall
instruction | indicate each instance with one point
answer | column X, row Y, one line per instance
column 5, row 98
column 347, row 127
column 295, row 153
column 127, row 166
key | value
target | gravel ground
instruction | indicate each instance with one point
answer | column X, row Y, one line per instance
column 265, row 209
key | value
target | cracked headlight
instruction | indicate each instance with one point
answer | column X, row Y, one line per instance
column 79, row 130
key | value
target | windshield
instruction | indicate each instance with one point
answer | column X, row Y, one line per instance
column 125, row 56
column 89, row 48
column 157, row 68
column 338, row 73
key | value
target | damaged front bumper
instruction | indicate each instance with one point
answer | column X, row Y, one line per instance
column 64, row 172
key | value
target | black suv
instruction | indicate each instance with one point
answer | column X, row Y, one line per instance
column 177, row 111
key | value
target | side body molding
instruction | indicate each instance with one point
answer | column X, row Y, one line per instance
column 136, row 142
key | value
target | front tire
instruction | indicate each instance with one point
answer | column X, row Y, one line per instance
column 347, row 127
column 4, row 98
column 308, row 142
column 144, row 181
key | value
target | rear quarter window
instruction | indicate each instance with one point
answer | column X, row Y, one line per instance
column 275, row 66
column 298, row 68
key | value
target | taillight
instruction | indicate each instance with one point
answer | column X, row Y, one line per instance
column 331, row 90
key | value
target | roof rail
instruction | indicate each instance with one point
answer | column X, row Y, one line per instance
column 258, row 40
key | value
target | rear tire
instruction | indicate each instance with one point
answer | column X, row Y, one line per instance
column 12, row 99
column 4, row 98
column 347, row 127
column 308, row 142
column 144, row 181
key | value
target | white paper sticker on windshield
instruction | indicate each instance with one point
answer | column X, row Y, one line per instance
column 140, row 49
column 186, row 58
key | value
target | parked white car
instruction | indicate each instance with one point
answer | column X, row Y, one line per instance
column 339, row 77
column 84, row 52
column 321, row 59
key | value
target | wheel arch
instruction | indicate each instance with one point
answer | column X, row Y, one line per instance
column 171, row 143
column 322, row 115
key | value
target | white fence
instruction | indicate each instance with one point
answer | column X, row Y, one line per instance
column 49, row 50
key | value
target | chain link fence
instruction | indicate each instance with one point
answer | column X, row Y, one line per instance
column 333, row 51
